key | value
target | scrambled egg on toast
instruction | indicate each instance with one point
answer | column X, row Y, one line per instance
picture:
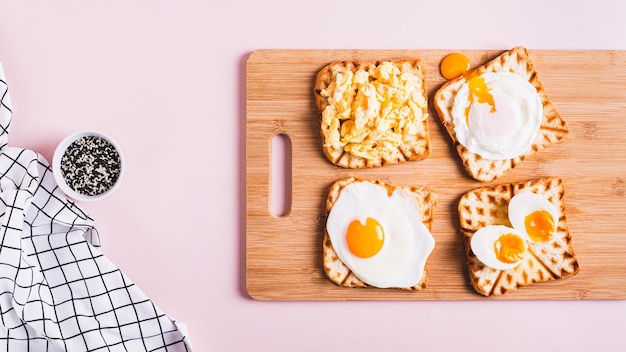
column 373, row 113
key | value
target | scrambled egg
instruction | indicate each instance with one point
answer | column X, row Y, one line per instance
column 373, row 112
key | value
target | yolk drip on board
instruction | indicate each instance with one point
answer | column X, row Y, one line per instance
column 365, row 240
column 454, row 65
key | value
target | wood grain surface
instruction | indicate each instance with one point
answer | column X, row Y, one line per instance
column 283, row 253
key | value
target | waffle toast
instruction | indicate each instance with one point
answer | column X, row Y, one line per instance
column 334, row 268
column 546, row 262
column 553, row 126
column 373, row 113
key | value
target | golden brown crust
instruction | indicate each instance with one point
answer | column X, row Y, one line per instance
column 335, row 270
column 553, row 127
column 415, row 147
column 489, row 206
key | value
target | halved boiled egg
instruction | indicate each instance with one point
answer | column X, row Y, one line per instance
column 534, row 216
column 379, row 235
column 499, row 247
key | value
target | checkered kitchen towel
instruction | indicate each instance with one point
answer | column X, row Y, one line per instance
column 57, row 291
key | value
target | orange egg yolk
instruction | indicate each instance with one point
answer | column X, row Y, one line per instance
column 540, row 226
column 365, row 240
column 509, row 248
column 454, row 65
column 478, row 88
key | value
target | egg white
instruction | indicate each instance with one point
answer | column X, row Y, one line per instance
column 408, row 243
column 482, row 245
column 509, row 132
column 522, row 204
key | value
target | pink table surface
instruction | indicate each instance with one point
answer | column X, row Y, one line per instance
column 166, row 79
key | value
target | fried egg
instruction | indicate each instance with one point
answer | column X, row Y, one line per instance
column 499, row 247
column 380, row 235
column 534, row 216
column 496, row 115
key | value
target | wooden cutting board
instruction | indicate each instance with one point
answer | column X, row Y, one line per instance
column 283, row 253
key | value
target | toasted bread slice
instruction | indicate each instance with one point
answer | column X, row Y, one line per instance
column 553, row 127
column 334, row 268
column 360, row 133
column 547, row 261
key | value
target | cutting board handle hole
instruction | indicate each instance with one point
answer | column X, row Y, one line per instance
column 280, row 175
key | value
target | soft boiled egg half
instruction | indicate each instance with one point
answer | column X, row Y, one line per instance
column 496, row 115
column 534, row 220
column 499, row 247
column 379, row 235
column 534, row 216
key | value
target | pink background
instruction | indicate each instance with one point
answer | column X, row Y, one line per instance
column 166, row 80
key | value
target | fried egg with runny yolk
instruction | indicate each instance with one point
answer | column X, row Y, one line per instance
column 496, row 115
column 379, row 235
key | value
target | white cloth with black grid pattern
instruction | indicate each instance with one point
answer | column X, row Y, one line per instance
column 57, row 291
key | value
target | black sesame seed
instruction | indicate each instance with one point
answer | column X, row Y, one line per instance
column 91, row 165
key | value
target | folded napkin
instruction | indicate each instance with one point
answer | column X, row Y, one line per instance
column 58, row 292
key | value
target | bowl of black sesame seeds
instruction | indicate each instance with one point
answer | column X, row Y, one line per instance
column 87, row 165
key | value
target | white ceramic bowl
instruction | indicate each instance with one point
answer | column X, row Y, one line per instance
column 58, row 174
